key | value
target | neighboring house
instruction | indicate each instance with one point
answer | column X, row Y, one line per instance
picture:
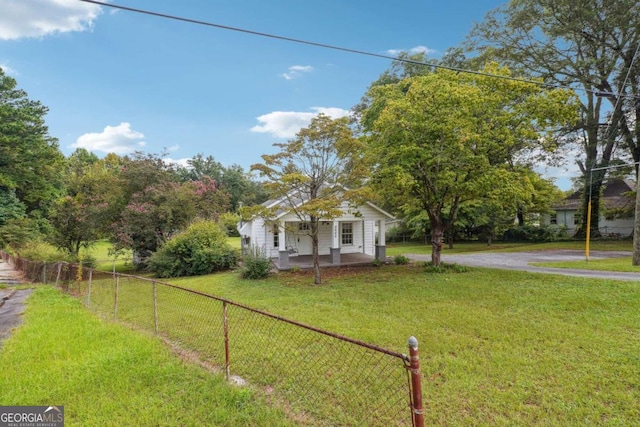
column 359, row 230
column 614, row 196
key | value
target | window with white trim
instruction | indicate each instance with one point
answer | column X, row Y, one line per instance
column 276, row 236
column 304, row 226
column 347, row 233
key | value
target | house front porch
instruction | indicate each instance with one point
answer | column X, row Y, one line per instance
column 306, row 261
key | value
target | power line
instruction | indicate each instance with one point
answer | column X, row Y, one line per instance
column 326, row 46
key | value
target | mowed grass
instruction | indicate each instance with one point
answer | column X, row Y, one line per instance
column 107, row 375
column 463, row 247
column 497, row 347
column 611, row 264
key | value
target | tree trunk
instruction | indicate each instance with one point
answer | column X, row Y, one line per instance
column 520, row 216
column 437, row 231
column 636, row 227
column 317, row 273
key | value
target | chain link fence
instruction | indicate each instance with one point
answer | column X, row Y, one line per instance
column 319, row 377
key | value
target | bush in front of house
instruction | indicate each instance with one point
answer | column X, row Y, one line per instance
column 201, row 249
column 256, row 264
column 400, row 260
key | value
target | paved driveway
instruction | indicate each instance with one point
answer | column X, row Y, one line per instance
column 11, row 300
column 521, row 261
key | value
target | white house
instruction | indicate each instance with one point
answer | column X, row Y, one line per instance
column 359, row 230
column 615, row 196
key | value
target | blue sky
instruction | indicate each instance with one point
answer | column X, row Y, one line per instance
column 117, row 81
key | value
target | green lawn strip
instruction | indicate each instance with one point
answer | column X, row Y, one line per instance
column 105, row 374
column 464, row 247
column 611, row 264
column 496, row 346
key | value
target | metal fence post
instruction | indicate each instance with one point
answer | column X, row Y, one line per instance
column 59, row 271
column 226, row 339
column 115, row 299
column 155, row 306
column 416, row 385
column 89, row 288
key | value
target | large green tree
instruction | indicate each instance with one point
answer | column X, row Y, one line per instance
column 241, row 187
column 444, row 139
column 31, row 164
column 311, row 173
column 586, row 44
column 94, row 200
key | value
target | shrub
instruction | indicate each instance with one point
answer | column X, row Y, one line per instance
column 400, row 260
column 444, row 268
column 41, row 251
column 256, row 264
column 376, row 262
column 230, row 222
column 531, row 233
column 201, row 249
column 16, row 234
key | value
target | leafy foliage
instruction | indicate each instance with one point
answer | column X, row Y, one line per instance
column 445, row 139
column 201, row 249
column 428, row 267
column 10, row 206
column 255, row 264
column 590, row 45
column 312, row 172
column 230, row 222
column 31, row 163
column 400, row 260
column 530, row 233
column 17, row 233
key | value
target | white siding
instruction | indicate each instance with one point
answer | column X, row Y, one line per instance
column 363, row 219
column 566, row 218
column 324, row 238
column 369, row 238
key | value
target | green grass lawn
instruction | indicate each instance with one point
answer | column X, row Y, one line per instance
column 497, row 347
column 612, row 264
column 107, row 375
column 462, row 247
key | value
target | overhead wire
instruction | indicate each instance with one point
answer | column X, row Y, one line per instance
column 624, row 84
column 329, row 46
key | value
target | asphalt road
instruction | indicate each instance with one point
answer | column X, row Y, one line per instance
column 521, row 261
column 11, row 300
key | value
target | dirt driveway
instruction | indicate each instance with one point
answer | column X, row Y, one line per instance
column 521, row 261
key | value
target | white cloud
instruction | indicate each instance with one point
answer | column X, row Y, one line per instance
column 119, row 139
column 285, row 124
column 38, row 18
column 412, row 51
column 8, row 70
column 296, row 71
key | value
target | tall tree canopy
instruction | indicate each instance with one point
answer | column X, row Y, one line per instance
column 588, row 44
column 443, row 139
column 31, row 164
column 314, row 168
column 240, row 186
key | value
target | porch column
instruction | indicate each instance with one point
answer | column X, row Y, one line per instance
column 381, row 249
column 334, row 250
column 283, row 253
